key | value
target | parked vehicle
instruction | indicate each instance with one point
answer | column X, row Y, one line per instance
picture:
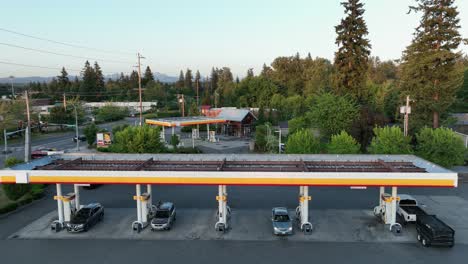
column 282, row 223
column 164, row 217
column 85, row 218
column 408, row 209
column 431, row 231
column 80, row 137
column 39, row 153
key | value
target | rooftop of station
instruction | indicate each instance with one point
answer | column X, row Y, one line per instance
column 184, row 121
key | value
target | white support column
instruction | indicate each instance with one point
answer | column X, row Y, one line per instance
column 303, row 208
column 393, row 206
column 77, row 196
column 394, row 226
column 163, row 134
column 173, row 130
column 208, row 132
column 223, row 212
column 381, row 192
column 138, row 199
column 149, row 191
column 60, row 203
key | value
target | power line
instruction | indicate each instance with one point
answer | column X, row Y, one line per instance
column 34, row 66
column 64, row 43
column 47, row 67
column 60, row 54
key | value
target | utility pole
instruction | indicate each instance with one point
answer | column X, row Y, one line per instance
column 27, row 139
column 198, row 104
column 12, row 88
column 139, row 87
column 182, row 102
column 406, row 110
column 64, row 101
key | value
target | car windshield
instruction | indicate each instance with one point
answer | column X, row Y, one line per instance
column 162, row 214
column 281, row 218
column 82, row 214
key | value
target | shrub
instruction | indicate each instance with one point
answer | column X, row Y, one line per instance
column 15, row 191
column 8, row 208
column 265, row 141
column 302, row 142
column 175, row 141
column 111, row 113
column 441, row 146
column 90, row 133
column 297, row 123
column 144, row 139
column 12, row 161
column 343, row 143
column 390, row 140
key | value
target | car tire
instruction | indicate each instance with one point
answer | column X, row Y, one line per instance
column 86, row 228
column 424, row 242
column 101, row 217
column 419, row 237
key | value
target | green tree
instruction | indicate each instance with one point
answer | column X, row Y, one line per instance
column 343, row 143
column 429, row 72
column 179, row 85
column 63, row 81
column 302, row 142
column 188, row 83
column 332, row 114
column 147, row 76
column 193, row 110
column 351, row 59
column 261, row 137
column 390, row 140
column 88, row 80
column 297, row 124
column 99, row 84
column 441, row 146
column 90, row 133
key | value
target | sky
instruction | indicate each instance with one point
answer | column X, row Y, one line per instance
column 175, row 35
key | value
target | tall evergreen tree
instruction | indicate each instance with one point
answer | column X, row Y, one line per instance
column 351, row 59
column 88, row 79
column 99, row 86
column 188, row 83
column 198, row 82
column 429, row 72
column 214, row 79
column 250, row 73
column 63, row 81
column 147, row 76
column 180, row 83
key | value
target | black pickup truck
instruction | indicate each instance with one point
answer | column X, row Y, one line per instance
column 433, row 232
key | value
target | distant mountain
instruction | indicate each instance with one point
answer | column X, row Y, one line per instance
column 21, row 80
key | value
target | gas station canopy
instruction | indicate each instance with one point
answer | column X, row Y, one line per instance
column 184, row 121
column 239, row 169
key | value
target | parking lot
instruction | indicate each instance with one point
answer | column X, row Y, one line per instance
column 330, row 225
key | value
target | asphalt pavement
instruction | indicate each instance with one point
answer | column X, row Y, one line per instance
column 57, row 140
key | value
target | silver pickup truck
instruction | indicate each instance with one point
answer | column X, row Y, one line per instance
column 408, row 209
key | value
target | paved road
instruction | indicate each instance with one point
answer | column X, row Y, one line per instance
column 60, row 141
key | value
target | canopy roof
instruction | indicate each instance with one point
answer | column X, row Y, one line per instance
column 184, row 121
column 240, row 169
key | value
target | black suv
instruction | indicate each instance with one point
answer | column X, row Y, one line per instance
column 164, row 217
column 85, row 218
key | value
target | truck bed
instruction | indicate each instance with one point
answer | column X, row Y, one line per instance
column 413, row 210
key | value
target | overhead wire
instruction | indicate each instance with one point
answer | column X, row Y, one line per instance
column 62, row 54
column 64, row 43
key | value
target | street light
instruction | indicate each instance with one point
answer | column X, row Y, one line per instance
column 12, row 88
column 279, row 140
column 76, row 129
